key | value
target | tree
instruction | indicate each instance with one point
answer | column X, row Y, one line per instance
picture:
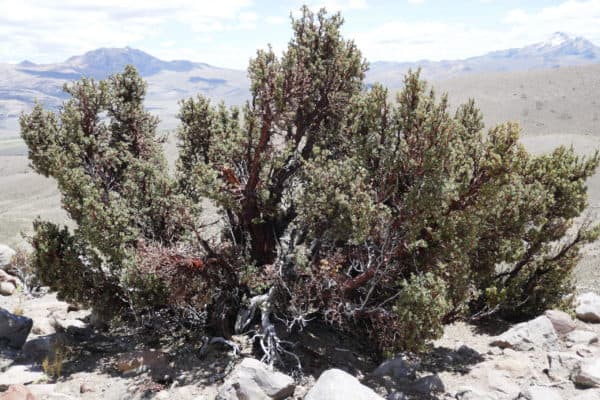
column 384, row 218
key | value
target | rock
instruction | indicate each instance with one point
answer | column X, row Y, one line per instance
column 473, row 394
column 7, row 288
column 17, row 392
column 537, row 333
column 6, row 255
column 335, row 384
column 38, row 348
column 587, row 374
column 6, row 277
column 396, row 368
column 562, row 322
column 560, row 365
column 427, row 385
column 20, row 375
column 582, row 337
column 43, row 326
column 517, row 364
column 490, row 380
column 135, row 362
column 14, row 328
column 42, row 390
column 590, row 394
column 541, row 393
column 587, row 307
column 85, row 388
column 63, row 325
column 252, row 379
column 98, row 321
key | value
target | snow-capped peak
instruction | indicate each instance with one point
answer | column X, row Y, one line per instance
column 557, row 39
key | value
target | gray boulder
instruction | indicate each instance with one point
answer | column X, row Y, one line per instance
column 6, row 254
column 427, row 385
column 538, row 333
column 252, row 379
column 587, row 307
column 587, row 373
column 562, row 322
column 397, row 368
column 14, row 328
column 335, row 384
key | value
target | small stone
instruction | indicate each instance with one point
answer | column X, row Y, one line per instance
column 587, row 374
column 587, row 307
column 537, row 333
column 582, row 337
column 562, row 322
column 335, row 384
column 473, row 394
column 6, row 255
column 251, row 379
column 85, row 388
column 14, row 328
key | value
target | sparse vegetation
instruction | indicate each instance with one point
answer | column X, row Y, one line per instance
column 383, row 218
column 52, row 365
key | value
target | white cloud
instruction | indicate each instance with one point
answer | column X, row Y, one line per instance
column 276, row 20
column 40, row 29
column 437, row 40
column 416, row 1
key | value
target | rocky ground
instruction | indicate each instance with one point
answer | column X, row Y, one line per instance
column 52, row 350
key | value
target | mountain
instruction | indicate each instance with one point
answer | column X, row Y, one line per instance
column 170, row 81
column 559, row 50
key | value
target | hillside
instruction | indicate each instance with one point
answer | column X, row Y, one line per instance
column 170, row 81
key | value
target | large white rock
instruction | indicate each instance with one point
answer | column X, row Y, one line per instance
column 6, row 254
column 587, row 307
column 589, row 394
column 335, row 384
column 560, row 364
column 541, row 393
column 538, row 333
column 252, row 379
column 587, row 373
column 581, row 337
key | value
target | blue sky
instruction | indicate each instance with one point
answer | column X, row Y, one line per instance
column 228, row 32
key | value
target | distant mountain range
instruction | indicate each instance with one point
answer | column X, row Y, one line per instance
column 170, row 81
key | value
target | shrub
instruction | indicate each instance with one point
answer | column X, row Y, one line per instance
column 386, row 218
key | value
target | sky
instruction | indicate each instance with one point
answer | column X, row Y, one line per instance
column 226, row 33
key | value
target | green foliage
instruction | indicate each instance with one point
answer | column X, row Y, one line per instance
column 385, row 217
column 420, row 309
